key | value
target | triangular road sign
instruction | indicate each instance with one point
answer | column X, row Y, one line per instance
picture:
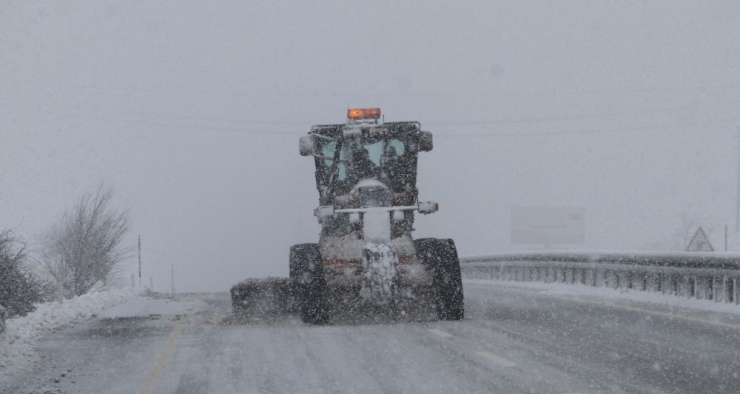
column 699, row 242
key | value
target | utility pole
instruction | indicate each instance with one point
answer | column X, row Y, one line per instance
column 737, row 196
column 139, row 260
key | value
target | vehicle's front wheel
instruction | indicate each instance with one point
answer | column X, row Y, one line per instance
column 441, row 256
column 307, row 272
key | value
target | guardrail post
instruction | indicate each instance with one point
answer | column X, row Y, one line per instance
column 683, row 289
column 720, row 292
column 610, row 279
column 674, row 284
column 666, row 283
column 650, row 281
column 700, row 288
column 623, row 280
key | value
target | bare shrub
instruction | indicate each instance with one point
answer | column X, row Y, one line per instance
column 19, row 289
column 85, row 246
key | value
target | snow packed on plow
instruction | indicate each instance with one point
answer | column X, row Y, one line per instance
column 257, row 300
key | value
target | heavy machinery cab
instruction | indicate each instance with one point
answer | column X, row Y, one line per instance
column 347, row 154
column 366, row 163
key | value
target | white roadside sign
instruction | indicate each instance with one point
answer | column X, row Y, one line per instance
column 699, row 242
column 548, row 225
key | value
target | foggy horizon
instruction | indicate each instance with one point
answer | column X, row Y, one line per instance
column 193, row 112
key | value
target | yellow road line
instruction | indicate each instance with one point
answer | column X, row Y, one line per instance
column 152, row 378
column 657, row 313
column 497, row 359
column 441, row 333
column 630, row 308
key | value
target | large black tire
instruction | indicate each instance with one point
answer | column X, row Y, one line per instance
column 441, row 256
column 307, row 274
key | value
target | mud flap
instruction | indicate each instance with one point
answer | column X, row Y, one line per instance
column 379, row 273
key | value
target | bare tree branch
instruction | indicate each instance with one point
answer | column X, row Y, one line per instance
column 85, row 246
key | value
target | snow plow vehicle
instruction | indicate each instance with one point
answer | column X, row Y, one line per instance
column 366, row 174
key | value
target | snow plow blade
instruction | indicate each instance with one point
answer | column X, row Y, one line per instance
column 263, row 297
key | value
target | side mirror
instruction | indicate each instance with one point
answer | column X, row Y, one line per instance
column 305, row 145
column 428, row 207
column 324, row 212
column 425, row 141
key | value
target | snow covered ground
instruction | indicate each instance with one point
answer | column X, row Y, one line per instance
column 17, row 343
column 584, row 291
column 543, row 327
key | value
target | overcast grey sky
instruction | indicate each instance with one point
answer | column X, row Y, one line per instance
column 192, row 111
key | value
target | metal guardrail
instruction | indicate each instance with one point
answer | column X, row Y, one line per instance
column 709, row 276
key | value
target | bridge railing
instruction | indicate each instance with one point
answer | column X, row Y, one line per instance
column 710, row 276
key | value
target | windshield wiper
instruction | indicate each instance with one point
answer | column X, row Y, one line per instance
column 334, row 170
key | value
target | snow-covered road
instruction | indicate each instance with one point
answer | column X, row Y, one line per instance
column 515, row 339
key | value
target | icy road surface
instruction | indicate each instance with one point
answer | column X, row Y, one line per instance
column 513, row 340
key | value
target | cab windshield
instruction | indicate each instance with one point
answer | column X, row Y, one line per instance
column 347, row 161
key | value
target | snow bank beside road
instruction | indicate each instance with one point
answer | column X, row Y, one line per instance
column 17, row 343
